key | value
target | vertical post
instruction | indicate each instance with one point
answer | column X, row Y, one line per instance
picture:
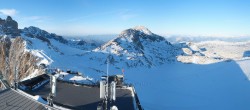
column 102, row 90
column 107, row 84
column 53, row 86
column 53, row 90
column 5, row 72
column 16, row 78
column 113, row 91
column 107, row 72
column 123, row 75
column 6, row 66
column 50, row 100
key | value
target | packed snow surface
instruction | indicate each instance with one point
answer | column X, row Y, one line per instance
column 74, row 78
column 40, row 99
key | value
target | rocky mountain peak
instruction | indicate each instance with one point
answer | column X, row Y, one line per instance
column 9, row 18
column 140, row 33
column 143, row 29
column 137, row 30
column 43, row 35
column 9, row 27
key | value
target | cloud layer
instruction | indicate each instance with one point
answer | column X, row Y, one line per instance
column 8, row 12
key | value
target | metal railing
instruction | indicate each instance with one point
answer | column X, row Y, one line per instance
column 4, row 83
column 137, row 101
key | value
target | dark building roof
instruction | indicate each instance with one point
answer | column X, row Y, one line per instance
column 13, row 100
column 85, row 97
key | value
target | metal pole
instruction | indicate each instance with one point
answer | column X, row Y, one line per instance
column 123, row 75
column 6, row 66
column 106, row 99
column 16, row 75
column 15, row 81
column 107, row 72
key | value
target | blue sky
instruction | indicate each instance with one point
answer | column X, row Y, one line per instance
column 165, row 17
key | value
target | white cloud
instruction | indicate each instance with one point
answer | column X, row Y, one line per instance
column 34, row 17
column 127, row 14
column 37, row 18
column 8, row 12
column 93, row 15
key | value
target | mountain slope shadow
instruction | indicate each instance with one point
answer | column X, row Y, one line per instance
column 190, row 87
column 246, row 54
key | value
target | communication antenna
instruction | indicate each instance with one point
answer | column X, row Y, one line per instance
column 107, row 84
column 123, row 71
column 7, row 66
column 16, row 75
column 113, row 91
column 107, row 76
column 102, row 90
column 53, row 90
column 16, row 78
column 113, row 108
column 53, row 86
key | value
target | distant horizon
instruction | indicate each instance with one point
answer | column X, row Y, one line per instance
column 116, row 34
column 217, row 18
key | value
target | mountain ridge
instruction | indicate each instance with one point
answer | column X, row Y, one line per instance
column 141, row 46
column 9, row 26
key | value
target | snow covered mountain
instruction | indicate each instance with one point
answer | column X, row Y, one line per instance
column 180, row 38
column 216, row 77
column 208, row 52
column 44, row 36
column 138, row 47
column 134, row 47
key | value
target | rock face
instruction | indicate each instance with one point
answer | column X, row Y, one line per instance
column 9, row 27
column 13, row 56
column 44, row 36
column 35, row 32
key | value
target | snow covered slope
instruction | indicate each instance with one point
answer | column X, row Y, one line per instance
column 214, row 51
column 178, row 86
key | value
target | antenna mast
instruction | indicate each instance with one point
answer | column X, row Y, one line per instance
column 104, row 91
column 16, row 66
column 107, row 72
column 107, row 84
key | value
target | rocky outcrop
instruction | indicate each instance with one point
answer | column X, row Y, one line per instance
column 14, row 58
column 9, row 27
column 35, row 32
